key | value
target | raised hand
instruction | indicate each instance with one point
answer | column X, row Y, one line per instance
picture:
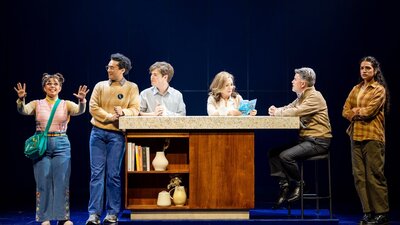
column 21, row 90
column 82, row 91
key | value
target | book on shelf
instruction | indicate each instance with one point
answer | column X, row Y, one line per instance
column 144, row 155
column 148, row 158
column 131, row 156
column 138, row 155
column 128, row 159
column 145, row 163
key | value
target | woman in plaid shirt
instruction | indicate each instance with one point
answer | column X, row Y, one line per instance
column 365, row 108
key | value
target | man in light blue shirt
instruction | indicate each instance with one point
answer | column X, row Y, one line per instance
column 161, row 99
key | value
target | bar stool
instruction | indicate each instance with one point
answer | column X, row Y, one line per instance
column 316, row 195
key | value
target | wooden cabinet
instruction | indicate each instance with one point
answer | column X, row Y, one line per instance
column 213, row 155
column 217, row 169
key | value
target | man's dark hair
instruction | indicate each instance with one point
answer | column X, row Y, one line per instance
column 123, row 62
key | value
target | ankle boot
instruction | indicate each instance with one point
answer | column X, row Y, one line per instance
column 284, row 189
column 296, row 192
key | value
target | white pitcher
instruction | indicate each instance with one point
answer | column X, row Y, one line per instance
column 179, row 196
column 164, row 199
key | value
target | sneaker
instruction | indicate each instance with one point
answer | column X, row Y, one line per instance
column 110, row 219
column 65, row 222
column 366, row 218
column 381, row 219
column 94, row 219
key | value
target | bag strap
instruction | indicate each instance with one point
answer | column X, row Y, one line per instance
column 51, row 117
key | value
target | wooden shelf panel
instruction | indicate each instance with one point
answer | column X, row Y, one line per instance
column 155, row 207
column 143, row 134
column 177, row 171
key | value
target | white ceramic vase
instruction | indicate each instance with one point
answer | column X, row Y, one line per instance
column 160, row 162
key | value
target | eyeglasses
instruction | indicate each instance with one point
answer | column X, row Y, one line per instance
column 110, row 68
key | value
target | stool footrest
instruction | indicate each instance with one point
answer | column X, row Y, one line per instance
column 308, row 195
column 316, row 197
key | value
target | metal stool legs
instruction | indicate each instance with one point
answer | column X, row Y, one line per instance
column 316, row 196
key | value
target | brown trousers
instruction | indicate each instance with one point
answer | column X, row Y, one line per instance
column 368, row 162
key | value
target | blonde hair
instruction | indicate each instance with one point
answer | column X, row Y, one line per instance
column 218, row 84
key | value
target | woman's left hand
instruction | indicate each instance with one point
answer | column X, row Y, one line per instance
column 82, row 91
column 253, row 112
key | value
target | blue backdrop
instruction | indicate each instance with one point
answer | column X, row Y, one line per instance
column 259, row 42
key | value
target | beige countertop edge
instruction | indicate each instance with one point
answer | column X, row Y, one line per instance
column 207, row 122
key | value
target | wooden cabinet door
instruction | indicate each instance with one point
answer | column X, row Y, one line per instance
column 221, row 170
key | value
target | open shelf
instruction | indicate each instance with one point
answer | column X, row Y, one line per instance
column 142, row 187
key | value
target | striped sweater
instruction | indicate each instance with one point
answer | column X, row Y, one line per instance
column 41, row 109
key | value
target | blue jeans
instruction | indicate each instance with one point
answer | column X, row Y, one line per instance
column 52, row 173
column 283, row 161
column 107, row 150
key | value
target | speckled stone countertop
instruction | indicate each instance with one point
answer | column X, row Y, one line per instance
column 207, row 122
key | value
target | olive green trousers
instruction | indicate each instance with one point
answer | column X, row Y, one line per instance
column 368, row 162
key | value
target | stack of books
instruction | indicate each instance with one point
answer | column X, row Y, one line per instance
column 138, row 157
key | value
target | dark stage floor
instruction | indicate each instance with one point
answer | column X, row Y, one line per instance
column 257, row 216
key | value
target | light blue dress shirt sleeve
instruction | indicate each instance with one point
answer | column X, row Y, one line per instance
column 172, row 101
